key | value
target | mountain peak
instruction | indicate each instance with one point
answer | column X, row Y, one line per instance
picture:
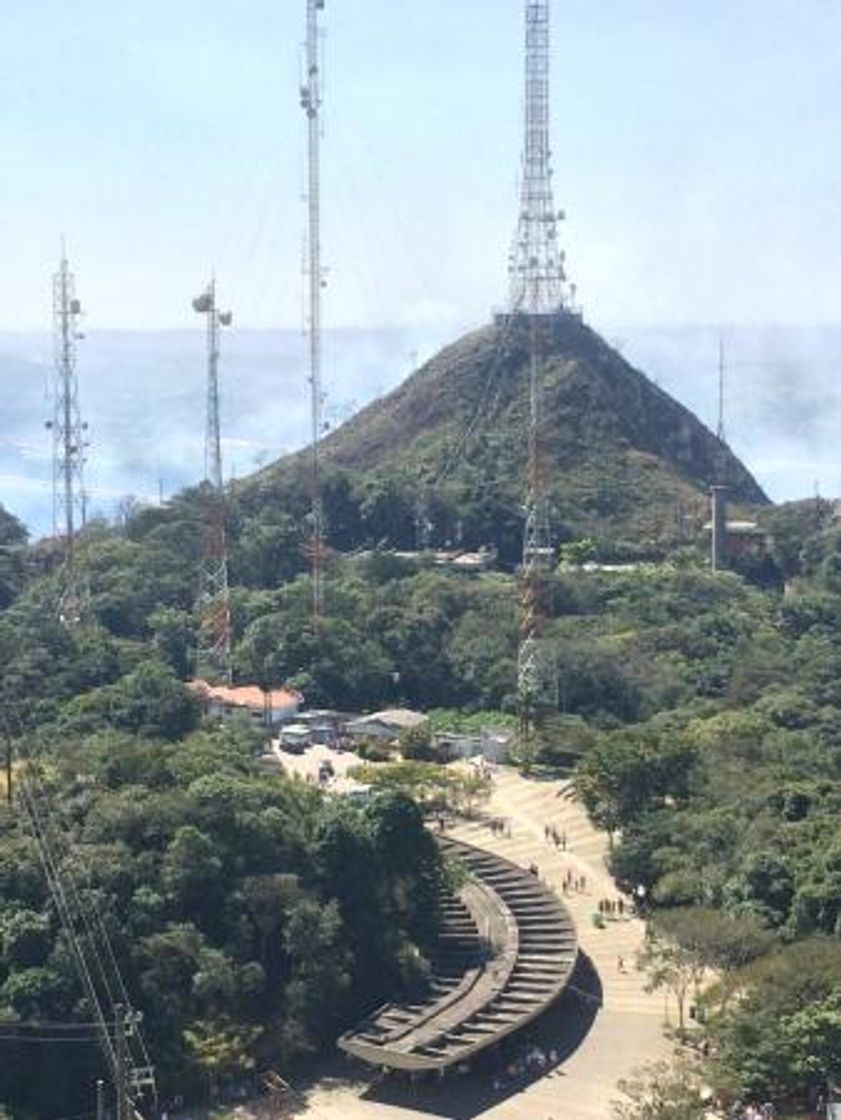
column 620, row 456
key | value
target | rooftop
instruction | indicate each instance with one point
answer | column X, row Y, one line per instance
column 249, row 696
column 403, row 718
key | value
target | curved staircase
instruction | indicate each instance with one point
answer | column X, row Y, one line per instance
column 506, row 950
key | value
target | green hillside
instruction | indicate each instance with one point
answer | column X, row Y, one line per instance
column 698, row 712
column 622, row 459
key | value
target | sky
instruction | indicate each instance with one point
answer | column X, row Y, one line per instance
column 695, row 154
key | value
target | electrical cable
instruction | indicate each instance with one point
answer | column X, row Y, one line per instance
column 63, row 907
column 96, row 933
column 459, row 454
column 77, row 918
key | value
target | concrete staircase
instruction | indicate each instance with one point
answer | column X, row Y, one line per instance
column 484, row 988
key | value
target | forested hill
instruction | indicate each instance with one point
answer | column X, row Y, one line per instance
column 622, row 458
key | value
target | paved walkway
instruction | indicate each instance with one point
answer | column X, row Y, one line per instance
column 628, row 1027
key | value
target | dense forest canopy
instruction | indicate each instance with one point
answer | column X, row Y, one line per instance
column 242, row 908
column 701, row 713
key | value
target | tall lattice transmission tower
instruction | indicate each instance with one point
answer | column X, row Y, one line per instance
column 311, row 102
column 69, row 434
column 539, row 292
column 213, row 652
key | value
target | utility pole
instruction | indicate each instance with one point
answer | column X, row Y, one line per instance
column 719, row 488
column 213, row 653
column 720, row 478
column 423, row 523
column 538, row 290
column 69, row 443
column 100, row 1099
column 311, row 102
column 9, row 757
column 121, row 1087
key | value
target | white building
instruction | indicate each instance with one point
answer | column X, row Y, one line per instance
column 263, row 707
column 388, row 724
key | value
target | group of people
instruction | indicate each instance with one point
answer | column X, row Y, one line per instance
column 754, row 1111
column 559, row 839
column 574, row 882
column 499, row 827
column 612, row 908
column 533, row 1062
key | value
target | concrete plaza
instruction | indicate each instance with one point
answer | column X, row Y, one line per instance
column 604, row 1029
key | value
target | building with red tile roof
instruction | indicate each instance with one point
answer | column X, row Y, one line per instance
column 273, row 706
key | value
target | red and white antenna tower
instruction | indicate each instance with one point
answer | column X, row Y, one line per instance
column 69, row 440
column 311, row 102
column 539, row 291
column 213, row 653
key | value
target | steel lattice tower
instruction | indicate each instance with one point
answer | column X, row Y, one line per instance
column 69, row 442
column 213, row 653
column 537, row 276
column 311, row 102
column 538, row 290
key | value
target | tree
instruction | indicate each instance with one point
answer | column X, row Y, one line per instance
column 782, row 1035
column 191, row 867
column 671, row 966
column 24, row 938
column 417, row 745
column 316, row 995
column 717, row 940
column 13, row 539
column 631, row 772
column 267, row 553
column 433, row 787
column 663, row 1091
column 152, row 702
column 174, row 636
column 12, row 531
column 222, row 1048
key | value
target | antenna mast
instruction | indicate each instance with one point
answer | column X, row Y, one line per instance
column 69, row 440
column 719, row 431
column 538, row 280
column 213, row 655
column 311, row 101
column 720, row 465
column 538, row 289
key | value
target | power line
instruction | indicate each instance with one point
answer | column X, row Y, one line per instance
column 93, row 1040
column 46, row 1024
column 90, row 947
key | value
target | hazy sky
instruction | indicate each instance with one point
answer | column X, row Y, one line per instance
column 696, row 149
